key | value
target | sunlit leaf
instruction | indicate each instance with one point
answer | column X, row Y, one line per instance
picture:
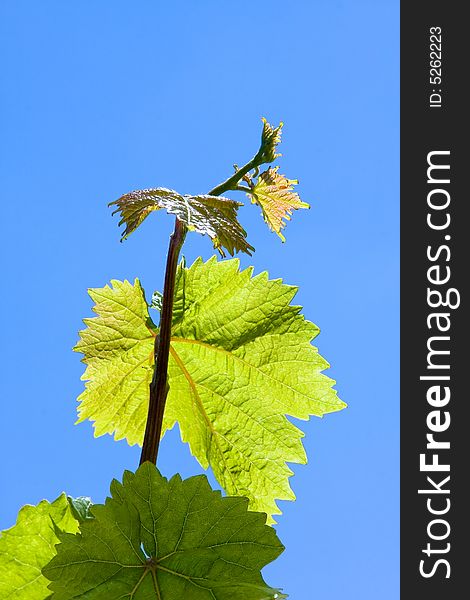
column 241, row 359
column 29, row 545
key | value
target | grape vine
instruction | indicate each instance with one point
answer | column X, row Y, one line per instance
column 229, row 358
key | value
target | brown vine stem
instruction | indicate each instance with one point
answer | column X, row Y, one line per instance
column 159, row 384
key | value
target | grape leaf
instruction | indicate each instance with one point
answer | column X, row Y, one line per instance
column 240, row 360
column 212, row 215
column 28, row 546
column 167, row 540
column 274, row 194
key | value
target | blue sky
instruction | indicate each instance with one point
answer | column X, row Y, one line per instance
column 100, row 98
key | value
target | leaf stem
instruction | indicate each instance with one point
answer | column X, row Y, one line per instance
column 231, row 182
column 243, row 188
column 159, row 384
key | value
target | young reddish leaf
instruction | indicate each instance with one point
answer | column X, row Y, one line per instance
column 212, row 215
column 274, row 194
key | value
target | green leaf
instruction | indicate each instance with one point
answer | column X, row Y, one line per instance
column 212, row 215
column 274, row 194
column 240, row 360
column 166, row 540
column 80, row 507
column 28, row 546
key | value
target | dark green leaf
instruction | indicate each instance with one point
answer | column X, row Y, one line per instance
column 166, row 540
